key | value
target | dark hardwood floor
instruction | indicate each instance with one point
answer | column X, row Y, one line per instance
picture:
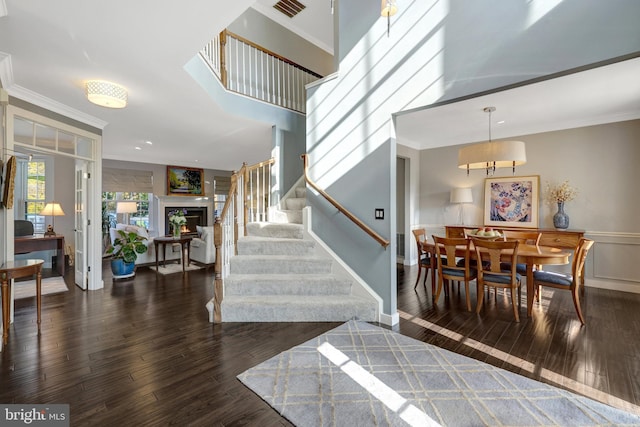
column 141, row 352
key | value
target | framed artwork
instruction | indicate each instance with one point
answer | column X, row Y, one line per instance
column 182, row 181
column 512, row 201
column 9, row 182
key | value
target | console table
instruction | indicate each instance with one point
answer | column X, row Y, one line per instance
column 565, row 239
column 26, row 244
column 16, row 270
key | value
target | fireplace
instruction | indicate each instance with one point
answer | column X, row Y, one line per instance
column 195, row 216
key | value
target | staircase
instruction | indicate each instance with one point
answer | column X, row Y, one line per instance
column 277, row 276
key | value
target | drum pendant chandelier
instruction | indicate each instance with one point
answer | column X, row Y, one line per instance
column 493, row 154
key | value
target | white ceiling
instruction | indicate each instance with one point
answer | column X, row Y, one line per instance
column 49, row 48
column 601, row 95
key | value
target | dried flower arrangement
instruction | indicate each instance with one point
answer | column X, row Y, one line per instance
column 560, row 193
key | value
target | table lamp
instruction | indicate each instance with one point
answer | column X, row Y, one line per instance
column 126, row 208
column 461, row 196
column 52, row 209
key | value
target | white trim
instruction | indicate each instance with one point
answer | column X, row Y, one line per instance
column 322, row 80
column 55, row 106
column 6, row 70
column 390, row 320
column 359, row 285
column 613, row 286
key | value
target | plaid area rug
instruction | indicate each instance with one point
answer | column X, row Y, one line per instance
column 361, row 375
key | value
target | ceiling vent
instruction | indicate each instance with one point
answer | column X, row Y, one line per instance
column 289, row 7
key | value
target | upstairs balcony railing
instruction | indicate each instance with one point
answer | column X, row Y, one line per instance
column 249, row 69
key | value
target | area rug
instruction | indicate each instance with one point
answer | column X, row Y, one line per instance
column 173, row 268
column 361, row 375
column 50, row 285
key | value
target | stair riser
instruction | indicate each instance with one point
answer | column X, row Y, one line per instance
column 240, row 265
column 287, row 231
column 301, row 192
column 295, row 204
column 300, row 248
column 294, row 313
column 289, row 287
column 291, row 217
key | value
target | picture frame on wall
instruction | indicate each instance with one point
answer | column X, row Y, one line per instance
column 512, row 201
column 184, row 181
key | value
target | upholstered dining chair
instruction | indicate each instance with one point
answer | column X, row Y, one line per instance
column 524, row 237
column 568, row 282
column 492, row 274
column 424, row 259
column 448, row 269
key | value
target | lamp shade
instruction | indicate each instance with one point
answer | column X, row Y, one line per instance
column 505, row 154
column 461, row 195
column 52, row 209
column 127, row 207
column 106, row 94
column 388, row 8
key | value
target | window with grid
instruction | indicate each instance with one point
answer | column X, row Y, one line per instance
column 36, row 194
column 110, row 201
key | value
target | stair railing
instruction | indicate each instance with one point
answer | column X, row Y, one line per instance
column 383, row 242
column 252, row 70
column 248, row 200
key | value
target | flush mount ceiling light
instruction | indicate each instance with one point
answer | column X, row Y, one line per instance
column 387, row 10
column 493, row 154
column 106, row 94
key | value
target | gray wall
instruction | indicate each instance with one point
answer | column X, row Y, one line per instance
column 255, row 27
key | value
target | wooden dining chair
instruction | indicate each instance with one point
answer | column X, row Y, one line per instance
column 424, row 259
column 492, row 274
column 568, row 282
column 524, row 237
column 448, row 269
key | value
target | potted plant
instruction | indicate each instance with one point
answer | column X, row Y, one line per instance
column 124, row 253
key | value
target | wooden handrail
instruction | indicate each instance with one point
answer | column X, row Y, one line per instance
column 341, row 208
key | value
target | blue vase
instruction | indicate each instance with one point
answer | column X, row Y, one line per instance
column 561, row 219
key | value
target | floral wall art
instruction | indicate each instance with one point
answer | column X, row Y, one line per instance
column 512, row 201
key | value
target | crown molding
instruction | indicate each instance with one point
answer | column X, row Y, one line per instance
column 55, row 106
column 6, row 69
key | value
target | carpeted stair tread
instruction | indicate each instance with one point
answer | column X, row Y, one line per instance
column 301, row 192
column 285, row 216
column 286, row 284
column 256, row 245
column 296, row 308
column 295, row 203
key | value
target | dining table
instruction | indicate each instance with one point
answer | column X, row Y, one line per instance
column 531, row 255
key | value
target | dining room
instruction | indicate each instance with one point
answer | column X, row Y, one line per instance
column 593, row 155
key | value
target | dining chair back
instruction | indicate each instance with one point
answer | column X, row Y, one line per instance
column 424, row 259
column 447, row 250
column 569, row 282
column 524, row 237
column 491, row 273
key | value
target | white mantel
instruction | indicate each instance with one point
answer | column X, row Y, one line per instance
column 161, row 202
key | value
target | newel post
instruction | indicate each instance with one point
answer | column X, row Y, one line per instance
column 217, row 288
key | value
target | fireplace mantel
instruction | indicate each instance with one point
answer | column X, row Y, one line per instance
column 161, row 202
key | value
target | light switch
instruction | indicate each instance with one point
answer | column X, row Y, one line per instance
column 379, row 213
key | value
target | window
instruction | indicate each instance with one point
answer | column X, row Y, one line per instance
column 110, row 201
column 35, row 193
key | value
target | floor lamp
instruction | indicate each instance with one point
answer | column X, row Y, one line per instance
column 461, row 196
column 52, row 209
column 126, row 208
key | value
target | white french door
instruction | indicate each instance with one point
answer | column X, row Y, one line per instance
column 81, row 224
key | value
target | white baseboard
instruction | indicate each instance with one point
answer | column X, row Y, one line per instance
column 390, row 320
column 613, row 286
